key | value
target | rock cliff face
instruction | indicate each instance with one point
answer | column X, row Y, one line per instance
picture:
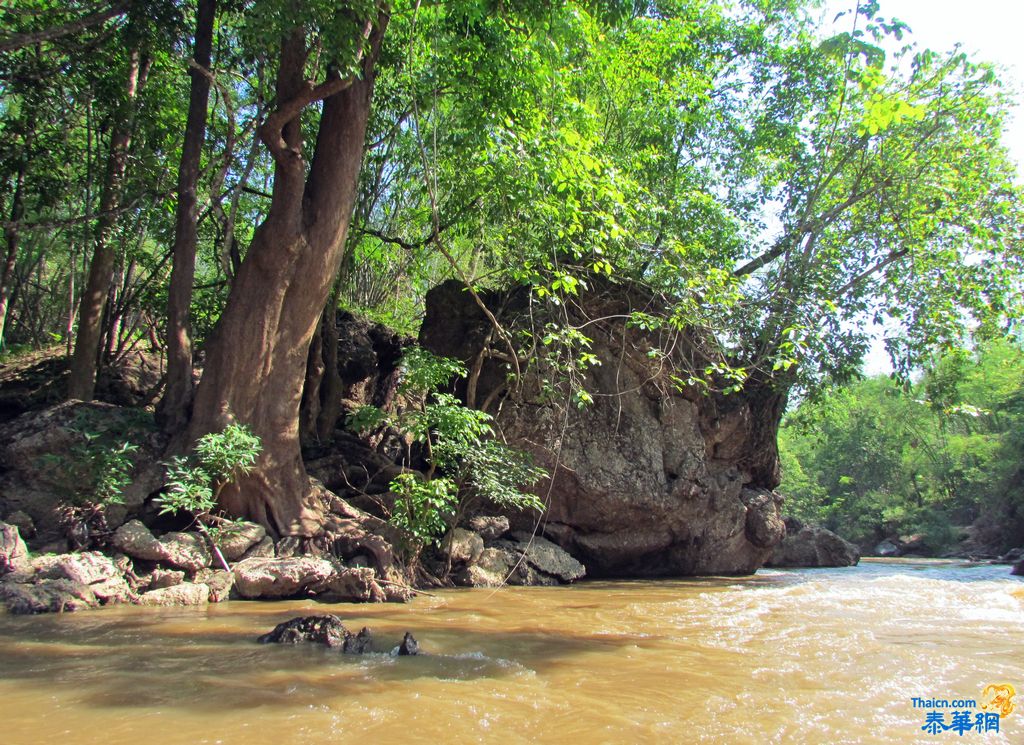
column 647, row 480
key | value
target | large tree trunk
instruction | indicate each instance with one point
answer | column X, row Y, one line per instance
column 173, row 411
column 82, row 381
column 256, row 362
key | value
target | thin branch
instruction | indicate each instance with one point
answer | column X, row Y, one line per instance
column 18, row 41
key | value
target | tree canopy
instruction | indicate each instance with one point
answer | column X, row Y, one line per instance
column 780, row 185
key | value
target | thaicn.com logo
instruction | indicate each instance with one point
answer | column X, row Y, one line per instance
column 964, row 715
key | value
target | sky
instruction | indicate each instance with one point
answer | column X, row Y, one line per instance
column 988, row 30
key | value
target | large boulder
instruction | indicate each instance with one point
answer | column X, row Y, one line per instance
column 185, row 593
column 42, row 464
column 651, row 478
column 282, row 577
column 47, row 596
column 814, row 546
column 523, row 559
column 91, row 569
column 185, row 551
column 463, row 546
column 235, row 539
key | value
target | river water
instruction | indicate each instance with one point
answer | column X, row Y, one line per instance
column 808, row 656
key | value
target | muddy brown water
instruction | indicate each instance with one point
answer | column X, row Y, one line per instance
column 811, row 656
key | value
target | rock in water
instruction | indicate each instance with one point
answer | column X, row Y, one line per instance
column 409, row 646
column 813, row 546
column 887, row 548
column 361, row 643
column 327, row 630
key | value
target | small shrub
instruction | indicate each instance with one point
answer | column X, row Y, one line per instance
column 424, row 507
column 195, row 482
column 459, row 446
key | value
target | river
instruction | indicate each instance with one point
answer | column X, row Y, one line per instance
column 808, row 656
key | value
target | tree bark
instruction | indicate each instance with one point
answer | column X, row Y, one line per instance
column 256, row 362
column 173, row 411
column 330, row 386
column 82, row 380
column 13, row 236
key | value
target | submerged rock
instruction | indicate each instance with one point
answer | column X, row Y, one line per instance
column 409, row 646
column 327, row 630
column 814, row 546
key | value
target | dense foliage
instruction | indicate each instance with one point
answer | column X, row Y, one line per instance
column 777, row 183
column 873, row 459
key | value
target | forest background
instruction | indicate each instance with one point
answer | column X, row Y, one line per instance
column 212, row 176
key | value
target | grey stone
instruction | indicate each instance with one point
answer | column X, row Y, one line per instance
column 161, row 578
column 887, row 548
column 463, row 546
column 90, row 568
column 281, row 577
column 262, row 550
column 814, row 546
column 13, row 551
column 549, row 558
column 186, row 551
column 47, row 596
column 135, row 540
column 186, row 593
column 490, row 527
column 219, row 582
column 235, row 539
column 520, row 561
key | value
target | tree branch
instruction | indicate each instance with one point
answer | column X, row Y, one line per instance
column 271, row 131
column 17, row 41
